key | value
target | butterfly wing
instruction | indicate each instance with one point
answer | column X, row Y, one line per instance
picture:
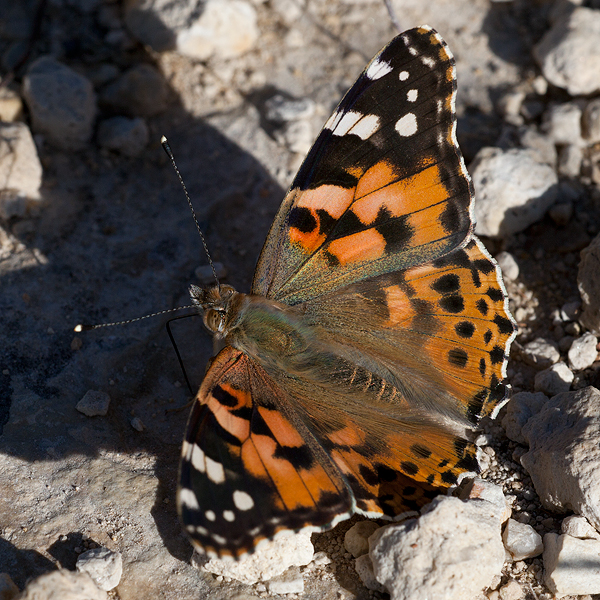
column 383, row 188
column 249, row 467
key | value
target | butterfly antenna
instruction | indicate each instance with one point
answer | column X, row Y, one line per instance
column 392, row 14
column 81, row 327
column 167, row 149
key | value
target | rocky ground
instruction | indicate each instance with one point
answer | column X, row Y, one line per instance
column 94, row 228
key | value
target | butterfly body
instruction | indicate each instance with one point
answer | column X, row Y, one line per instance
column 375, row 334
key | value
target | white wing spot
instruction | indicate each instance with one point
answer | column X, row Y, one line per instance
column 214, row 470
column 333, row 121
column 403, row 75
column 210, row 515
column 411, row 96
column 428, row 61
column 242, row 500
column 364, row 126
column 196, row 529
column 407, row 125
column 377, row 69
column 219, row 539
column 188, row 499
column 412, row 50
column 229, row 515
column 198, row 458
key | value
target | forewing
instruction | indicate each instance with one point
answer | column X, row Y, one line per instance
column 249, row 466
column 384, row 186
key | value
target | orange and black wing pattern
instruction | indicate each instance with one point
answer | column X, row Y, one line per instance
column 383, row 188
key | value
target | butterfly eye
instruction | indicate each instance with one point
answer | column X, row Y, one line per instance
column 214, row 320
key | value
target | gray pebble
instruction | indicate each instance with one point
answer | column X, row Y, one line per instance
column 94, row 403
column 61, row 101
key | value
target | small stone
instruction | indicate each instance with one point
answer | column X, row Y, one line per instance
column 290, row 582
column 139, row 92
column 540, row 85
column 125, row 135
column 569, row 55
column 63, row 584
column 20, row 170
column 508, row 265
column 541, row 353
column 542, row 146
column 570, row 311
column 591, row 121
column 510, row 103
column 554, row 380
column 356, row 539
column 512, row 591
column 197, row 28
column 514, row 190
column 521, row 540
column 298, row 136
column 280, row 109
column 583, row 353
column 570, row 158
column 94, row 403
column 562, row 122
column 137, row 424
column 11, row 105
column 62, row 103
column 579, row 527
column 561, row 213
column 104, row 566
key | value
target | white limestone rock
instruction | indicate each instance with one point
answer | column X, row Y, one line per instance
column 571, row 565
column 196, row 28
column 104, row 566
column 63, row 584
column 564, row 456
column 271, row 558
column 583, row 353
column 452, row 551
column 20, row 170
column 521, row 540
column 569, row 54
column 554, row 380
column 513, row 190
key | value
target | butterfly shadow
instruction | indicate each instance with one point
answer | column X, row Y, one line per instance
column 111, row 239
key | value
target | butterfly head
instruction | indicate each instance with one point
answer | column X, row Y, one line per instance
column 216, row 305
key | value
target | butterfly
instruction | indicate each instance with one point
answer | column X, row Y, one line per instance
column 375, row 335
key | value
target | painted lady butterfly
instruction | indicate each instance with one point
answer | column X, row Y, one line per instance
column 376, row 332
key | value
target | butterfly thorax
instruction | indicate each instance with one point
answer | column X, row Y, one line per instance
column 267, row 330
